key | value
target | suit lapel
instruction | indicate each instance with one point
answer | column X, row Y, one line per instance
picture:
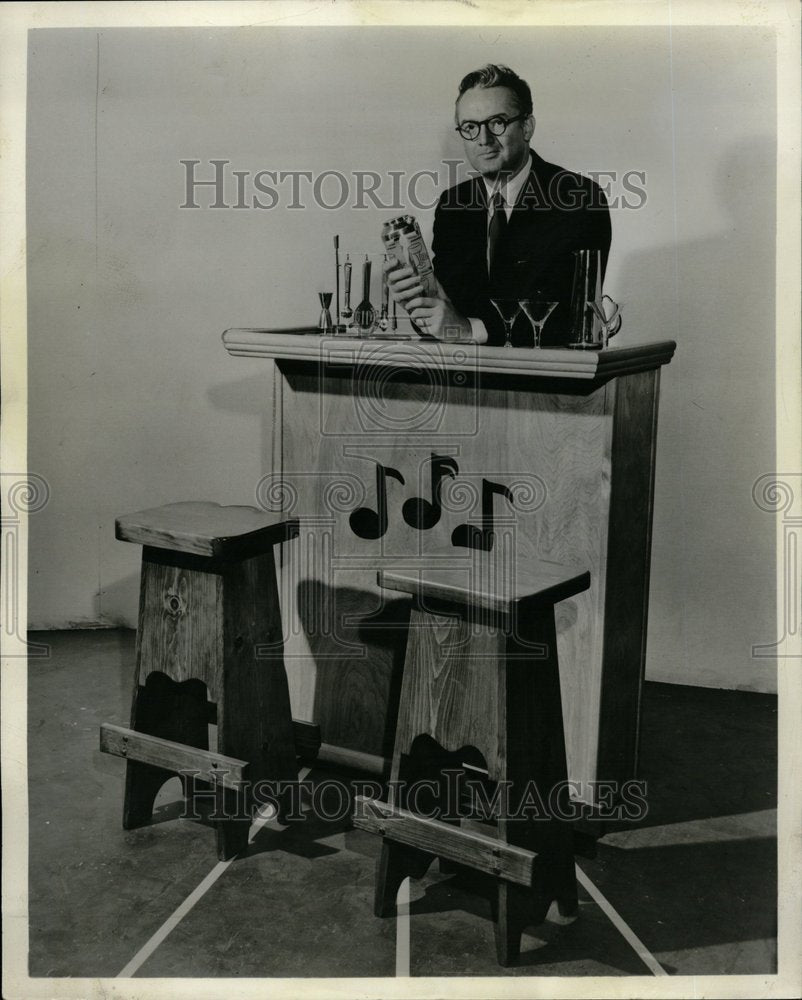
column 533, row 203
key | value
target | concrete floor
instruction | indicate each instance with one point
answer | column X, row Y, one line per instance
column 692, row 888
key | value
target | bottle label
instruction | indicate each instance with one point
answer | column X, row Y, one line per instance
column 419, row 257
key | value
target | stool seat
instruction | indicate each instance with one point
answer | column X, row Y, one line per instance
column 206, row 529
column 487, row 583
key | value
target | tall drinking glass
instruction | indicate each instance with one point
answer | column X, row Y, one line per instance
column 538, row 312
column 508, row 309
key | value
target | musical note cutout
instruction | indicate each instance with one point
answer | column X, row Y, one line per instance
column 424, row 514
column 368, row 523
column 468, row 535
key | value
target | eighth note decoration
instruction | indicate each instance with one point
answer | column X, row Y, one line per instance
column 366, row 522
column 424, row 514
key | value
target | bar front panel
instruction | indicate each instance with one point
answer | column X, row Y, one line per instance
column 391, row 466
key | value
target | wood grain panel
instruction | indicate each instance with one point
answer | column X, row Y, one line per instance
column 450, row 688
column 180, row 631
column 344, row 641
column 556, row 441
column 629, row 553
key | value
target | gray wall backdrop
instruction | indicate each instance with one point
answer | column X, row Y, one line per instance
column 133, row 401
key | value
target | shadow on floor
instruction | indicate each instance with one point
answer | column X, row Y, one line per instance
column 695, row 879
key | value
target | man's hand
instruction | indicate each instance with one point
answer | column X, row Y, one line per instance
column 434, row 315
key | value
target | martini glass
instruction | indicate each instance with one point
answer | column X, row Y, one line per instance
column 538, row 311
column 508, row 309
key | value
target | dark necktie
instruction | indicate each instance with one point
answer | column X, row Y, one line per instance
column 495, row 232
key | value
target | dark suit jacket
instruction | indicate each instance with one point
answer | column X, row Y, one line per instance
column 558, row 212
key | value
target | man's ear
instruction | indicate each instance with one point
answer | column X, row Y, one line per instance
column 529, row 127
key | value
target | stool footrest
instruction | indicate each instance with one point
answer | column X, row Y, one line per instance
column 475, row 850
column 132, row 745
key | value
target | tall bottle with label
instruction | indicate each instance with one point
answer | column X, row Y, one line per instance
column 404, row 243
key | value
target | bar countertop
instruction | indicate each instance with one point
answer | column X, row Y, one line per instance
column 302, row 344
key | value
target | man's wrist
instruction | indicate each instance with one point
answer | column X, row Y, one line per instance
column 461, row 330
column 478, row 330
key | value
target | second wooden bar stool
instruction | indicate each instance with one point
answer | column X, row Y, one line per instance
column 481, row 675
column 208, row 649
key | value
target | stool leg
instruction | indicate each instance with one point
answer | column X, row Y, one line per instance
column 568, row 901
column 161, row 707
column 397, row 861
column 552, row 771
column 534, row 760
column 231, row 835
column 254, row 716
column 142, row 784
column 513, row 914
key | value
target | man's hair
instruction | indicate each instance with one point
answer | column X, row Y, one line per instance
column 494, row 75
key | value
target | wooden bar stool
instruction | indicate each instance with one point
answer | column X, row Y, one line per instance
column 481, row 675
column 208, row 649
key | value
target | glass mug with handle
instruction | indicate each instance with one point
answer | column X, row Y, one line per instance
column 592, row 321
column 608, row 313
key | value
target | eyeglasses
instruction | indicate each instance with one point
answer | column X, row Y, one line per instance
column 497, row 125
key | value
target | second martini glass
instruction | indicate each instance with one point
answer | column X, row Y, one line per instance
column 508, row 309
column 538, row 311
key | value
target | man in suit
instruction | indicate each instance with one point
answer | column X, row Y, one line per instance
column 510, row 230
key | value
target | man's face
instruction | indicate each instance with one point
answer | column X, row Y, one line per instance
column 494, row 154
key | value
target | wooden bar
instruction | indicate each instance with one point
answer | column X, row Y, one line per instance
column 562, row 445
column 226, row 771
column 466, row 847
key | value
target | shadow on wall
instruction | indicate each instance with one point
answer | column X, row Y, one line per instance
column 716, row 294
column 713, row 553
column 251, row 396
column 358, row 641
